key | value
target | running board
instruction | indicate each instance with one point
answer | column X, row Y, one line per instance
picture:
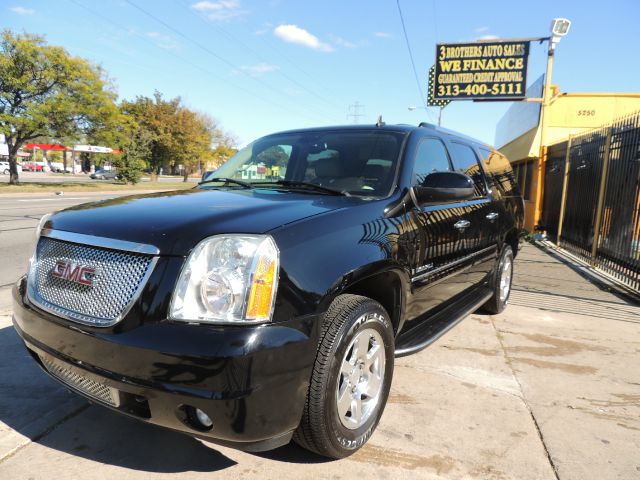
column 429, row 330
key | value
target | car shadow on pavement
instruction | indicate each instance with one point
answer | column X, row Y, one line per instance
column 40, row 409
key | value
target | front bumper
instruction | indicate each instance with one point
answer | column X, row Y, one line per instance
column 251, row 380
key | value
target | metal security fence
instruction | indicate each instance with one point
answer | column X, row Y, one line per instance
column 553, row 184
column 591, row 204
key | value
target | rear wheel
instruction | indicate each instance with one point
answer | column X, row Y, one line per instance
column 351, row 378
column 501, row 283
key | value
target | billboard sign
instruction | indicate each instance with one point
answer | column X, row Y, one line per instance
column 494, row 70
column 431, row 101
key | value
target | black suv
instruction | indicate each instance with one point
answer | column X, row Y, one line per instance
column 269, row 302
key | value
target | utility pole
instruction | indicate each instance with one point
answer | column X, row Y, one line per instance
column 354, row 111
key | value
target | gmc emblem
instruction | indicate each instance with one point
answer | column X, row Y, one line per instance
column 73, row 272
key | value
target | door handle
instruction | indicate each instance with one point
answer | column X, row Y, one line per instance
column 462, row 224
column 492, row 216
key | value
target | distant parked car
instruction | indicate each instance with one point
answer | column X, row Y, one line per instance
column 31, row 167
column 4, row 168
column 102, row 174
column 59, row 167
column 44, row 166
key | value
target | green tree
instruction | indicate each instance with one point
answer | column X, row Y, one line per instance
column 193, row 136
column 136, row 144
column 158, row 117
column 178, row 135
column 222, row 153
column 273, row 157
column 44, row 91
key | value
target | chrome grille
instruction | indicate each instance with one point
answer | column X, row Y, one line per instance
column 93, row 389
column 119, row 278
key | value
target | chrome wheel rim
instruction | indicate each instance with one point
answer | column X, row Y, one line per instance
column 361, row 378
column 505, row 278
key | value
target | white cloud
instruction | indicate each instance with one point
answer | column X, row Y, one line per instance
column 259, row 69
column 265, row 28
column 163, row 41
column 215, row 6
column 22, row 10
column 220, row 10
column 297, row 35
column 344, row 43
column 488, row 37
column 382, row 35
column 481, row 29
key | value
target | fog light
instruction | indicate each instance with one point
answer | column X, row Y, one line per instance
column 203, row 418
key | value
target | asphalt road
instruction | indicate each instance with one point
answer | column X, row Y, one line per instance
column 39, row 177
column 19, row 215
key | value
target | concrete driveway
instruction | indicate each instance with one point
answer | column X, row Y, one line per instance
column 549, row 389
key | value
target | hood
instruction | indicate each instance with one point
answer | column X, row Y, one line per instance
column 176, row 221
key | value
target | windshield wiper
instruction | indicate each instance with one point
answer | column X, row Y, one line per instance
column 227, row 180
column 308, row 185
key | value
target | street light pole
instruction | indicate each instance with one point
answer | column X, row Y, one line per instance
column 559, row 28
column 413, row 107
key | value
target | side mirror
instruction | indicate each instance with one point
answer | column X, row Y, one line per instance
column 445, row 187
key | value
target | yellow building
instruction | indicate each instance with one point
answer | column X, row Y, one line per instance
column 518, row 133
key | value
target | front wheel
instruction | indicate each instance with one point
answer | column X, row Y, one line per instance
column 351, row 378
column 502, row 280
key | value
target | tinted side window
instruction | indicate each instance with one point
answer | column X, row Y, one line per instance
column 465, row 161
column 430, row 157
column 498, row 169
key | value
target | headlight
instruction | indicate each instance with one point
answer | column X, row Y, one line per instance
column 41, row 223
column 228, row 279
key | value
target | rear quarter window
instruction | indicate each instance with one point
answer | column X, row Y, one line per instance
column 466, row 161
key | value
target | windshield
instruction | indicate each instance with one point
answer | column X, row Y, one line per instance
column 359, row 162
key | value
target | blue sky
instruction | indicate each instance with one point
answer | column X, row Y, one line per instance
column 264, row 66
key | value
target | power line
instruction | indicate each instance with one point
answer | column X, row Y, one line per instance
column 204, row 48
column 192, row 64
column 354, row 111
column 259, row 56
column 413, row 64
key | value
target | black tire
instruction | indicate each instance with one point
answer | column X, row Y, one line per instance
column 321, row 429
column 498, row 301
column 6, row 172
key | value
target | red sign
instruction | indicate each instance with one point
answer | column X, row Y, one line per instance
column 47, row 146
